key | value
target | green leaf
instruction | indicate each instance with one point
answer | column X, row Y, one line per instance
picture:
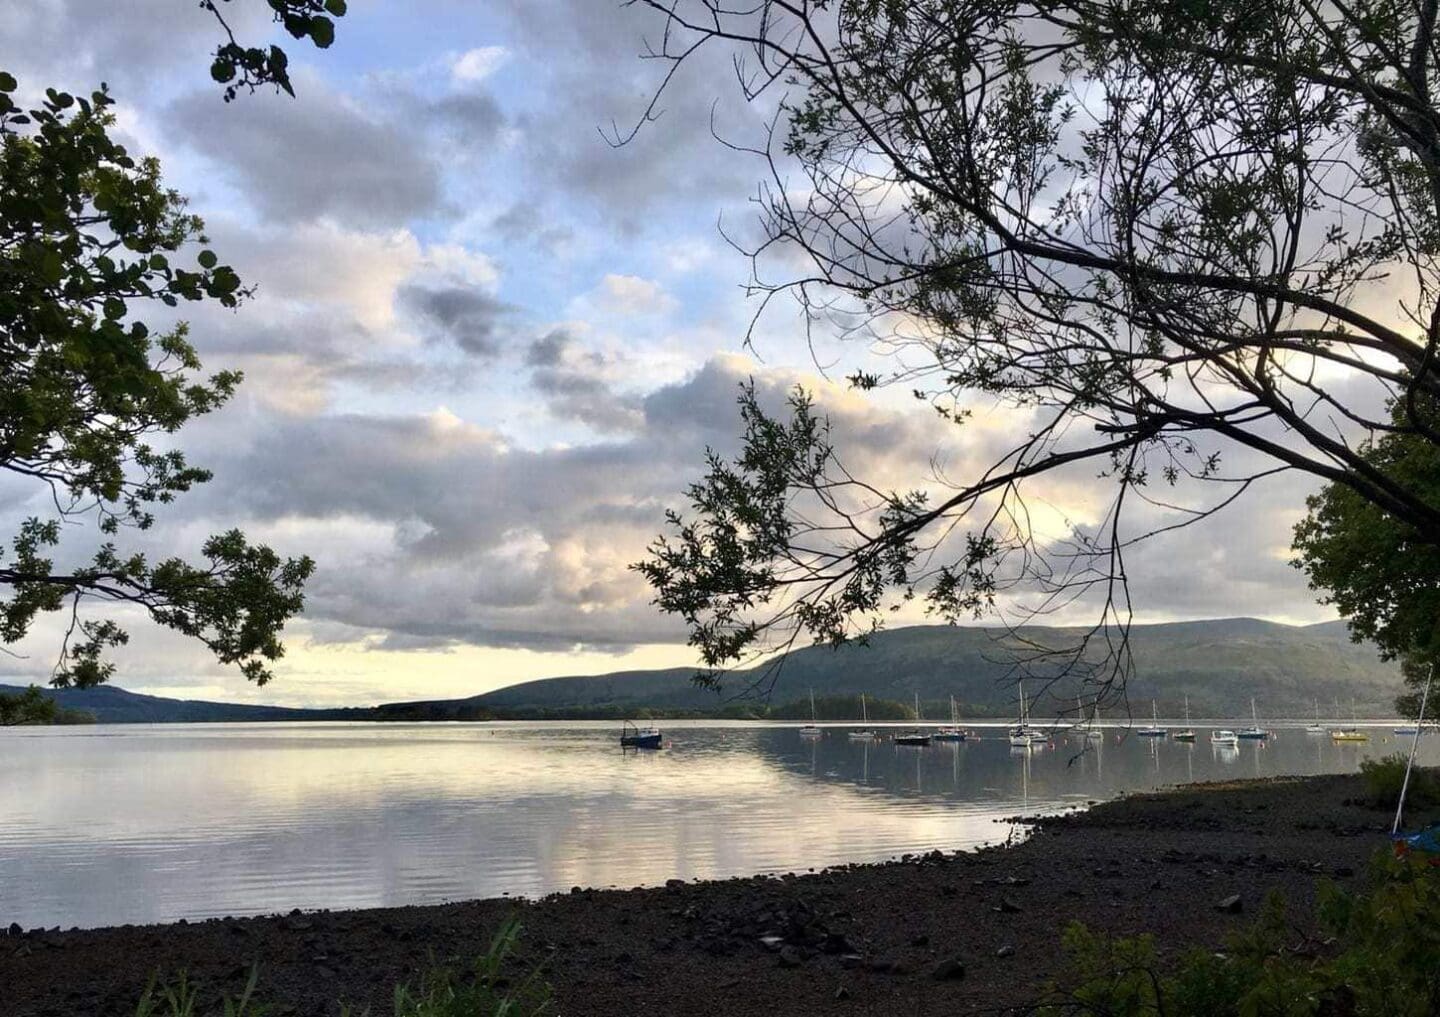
column 114, row 308
column 207, row 259
column 8, row 82
column 336, row 7
column 322, row 31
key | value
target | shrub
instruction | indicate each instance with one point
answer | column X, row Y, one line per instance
column 1384, row 961
column 1385, row 776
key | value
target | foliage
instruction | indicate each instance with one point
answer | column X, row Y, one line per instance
column 1148, row 227
column 484, row 991
column 89, row 393
column 33, row 706
column 1385, row 776
column 181, row 999
column 1384, row 961
column 237, row 66
column 1377, row 569
column 29, row 707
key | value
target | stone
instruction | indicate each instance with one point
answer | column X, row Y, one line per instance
column 790, row 957
column 1006, row 906
column 920, row 940
column 1231, row 905
column 949, row 970
column 1005, row 951
column 842, row 994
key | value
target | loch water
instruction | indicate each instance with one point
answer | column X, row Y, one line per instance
column 114, row 824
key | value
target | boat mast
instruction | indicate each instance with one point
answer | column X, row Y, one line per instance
column 812, row 706
column 864, row 717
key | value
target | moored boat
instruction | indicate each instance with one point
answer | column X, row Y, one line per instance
column 1154, row 730
column 951, row 732
column 1188, row 734
column 1317, row 727
column 1022, row 735
column 1224, row 737
column 1254, row 732
column 812, row 729
column 632, row 737
column 1352, row 733
column 866, row 733
column 916, row 737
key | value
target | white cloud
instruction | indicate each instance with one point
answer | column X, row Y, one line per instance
column 478, row 64
column 630, row 294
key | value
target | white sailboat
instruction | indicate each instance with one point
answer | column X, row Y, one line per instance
column 812, row 729
column 867, row 733
column 1022, row 734
column 1317, row 727
column 1094, row 733
column 951, row 732
column 1154, row 730
column 1254, row 732
column 1188, row 734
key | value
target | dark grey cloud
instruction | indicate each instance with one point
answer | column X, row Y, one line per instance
column 579, row 384
column 493, row 544
column 603, row 88
column 524, row 223
column 464, row 315
column 307, row 160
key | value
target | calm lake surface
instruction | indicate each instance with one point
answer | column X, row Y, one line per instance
column 137, row 823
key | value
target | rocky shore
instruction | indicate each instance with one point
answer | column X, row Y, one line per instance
column 938, row 934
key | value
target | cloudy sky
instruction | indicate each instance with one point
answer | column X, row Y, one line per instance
column 488, row 348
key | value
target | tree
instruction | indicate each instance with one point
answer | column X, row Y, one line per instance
column 249, row 67
column 1381, row 573
column 90, row 240
column 29, row 707
column 1157, row 227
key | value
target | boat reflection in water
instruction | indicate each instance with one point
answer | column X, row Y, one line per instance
column 362, row 815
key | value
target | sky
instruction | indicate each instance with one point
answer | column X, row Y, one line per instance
column 488, row 347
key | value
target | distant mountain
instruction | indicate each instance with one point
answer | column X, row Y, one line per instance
column 1219, row 664
column 113, row 705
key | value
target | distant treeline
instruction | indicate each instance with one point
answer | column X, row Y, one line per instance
column 827, row 708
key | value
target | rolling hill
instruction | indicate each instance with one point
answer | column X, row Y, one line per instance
column 1219, row 664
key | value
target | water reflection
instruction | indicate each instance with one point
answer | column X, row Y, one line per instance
column 135, row 824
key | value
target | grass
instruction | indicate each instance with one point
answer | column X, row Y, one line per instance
column 445, row 990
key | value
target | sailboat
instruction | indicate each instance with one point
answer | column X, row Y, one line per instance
column 1351, row 733
column 867, row 733
column 1093, row 732
column 1254, row 732
column 951, row 732
column 1154, row 730
column 916, row 737
column 1022, row 734
column 1317, row 727
column 812, row 729
column 1188, row 734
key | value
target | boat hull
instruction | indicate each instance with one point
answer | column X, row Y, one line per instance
column 916, row 740
column 645, row 741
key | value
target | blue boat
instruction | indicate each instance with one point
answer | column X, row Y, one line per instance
column 632, row 737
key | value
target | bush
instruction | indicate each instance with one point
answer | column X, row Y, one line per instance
column 1385, row 776
column 1384, row 961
